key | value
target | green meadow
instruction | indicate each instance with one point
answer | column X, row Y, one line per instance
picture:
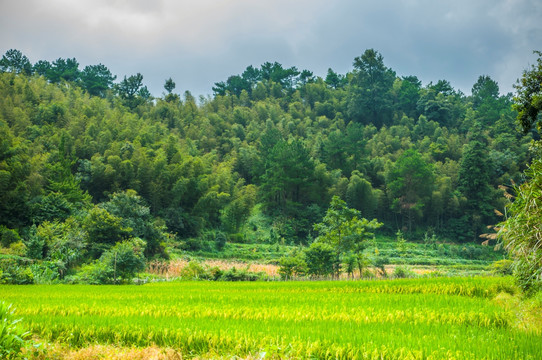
column 441, row 318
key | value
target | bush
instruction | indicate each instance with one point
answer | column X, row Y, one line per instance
column 46, row 272
column 241, row 275
column 402, row 272
column 502, row 267
column 125, row 259
column 96, row 273
column 293, row 265
column 193, row 271
column 380, row 263
column 321, row 259
column 15, row 270
column 237, row 238
column 8, row 236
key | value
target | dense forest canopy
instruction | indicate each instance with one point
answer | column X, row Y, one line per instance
column 87, row 163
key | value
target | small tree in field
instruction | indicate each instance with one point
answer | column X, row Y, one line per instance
column 321, row 259
column 125, row 259
column 345, row 230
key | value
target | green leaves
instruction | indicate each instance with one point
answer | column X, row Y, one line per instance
column 528, row 100
column 521, row 231
column 13, row 337
column 344, row 230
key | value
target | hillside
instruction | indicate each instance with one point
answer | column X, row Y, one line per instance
column 88, row 166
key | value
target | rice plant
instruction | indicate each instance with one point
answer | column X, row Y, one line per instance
column 440, row 318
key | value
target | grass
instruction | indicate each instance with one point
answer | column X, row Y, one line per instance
column 440, row 318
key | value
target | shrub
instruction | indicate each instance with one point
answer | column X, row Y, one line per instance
column 401, row 272
column 237, row 238
column 8, row 236
column 125, row 259
column 215, row 273
column 193, row 271
column 15, row 271
column 321, row 259
column 502, row 267
column 95, row 273
column 380, row 263
column 46, row 272
column 293, row 265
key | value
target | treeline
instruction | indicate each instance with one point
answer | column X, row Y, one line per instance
column 87, row 163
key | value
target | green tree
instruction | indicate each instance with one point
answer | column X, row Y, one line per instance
column 520, row 231
column 345, row 230
column 63, row 69
column 321, row 259
column 410, row 182
column 14, row 61
column 96, row 79
column 292, row 265
column 124, row 260
column 474, row 179
column 41, row 67
column 135, row 215
column 169, row 86
column 104, row 230
column 288, row 174
column 132, row 91
column 408, row 95
column 360, row 194
column 334, row 80
column 370, row 97
column 528, row 99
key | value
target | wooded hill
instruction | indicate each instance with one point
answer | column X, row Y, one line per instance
column 86, row 163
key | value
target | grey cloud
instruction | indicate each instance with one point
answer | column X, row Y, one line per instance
column 199, row 43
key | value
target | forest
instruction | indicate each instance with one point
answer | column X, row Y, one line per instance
column 92, row 167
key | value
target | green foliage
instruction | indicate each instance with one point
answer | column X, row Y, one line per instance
column 8, row 236
column 474, row 180
column 402, row 272
column 503, row 267
column 292, row 265
column 13, row 337
column 370, row 95
column 104, row 230
column 118, row 264
column 125, row 259
column 345, row 231
column 96, row 79
column 15, row 270
column 93, row 162
column 520, row 231
column 132, row 91
column 136, row 216
column 401, row 243
column 321, row 259
column 528, row 100
column 411, row 183
column 14, row 61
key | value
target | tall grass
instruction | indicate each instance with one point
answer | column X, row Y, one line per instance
column 402, row 319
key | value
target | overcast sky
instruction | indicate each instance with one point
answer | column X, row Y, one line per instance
column 198, row 43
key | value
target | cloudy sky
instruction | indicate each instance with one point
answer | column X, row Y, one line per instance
column 198, row 43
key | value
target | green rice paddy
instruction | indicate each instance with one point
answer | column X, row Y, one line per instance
column 444, row 318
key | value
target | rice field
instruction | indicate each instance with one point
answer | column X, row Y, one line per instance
column 444, row 318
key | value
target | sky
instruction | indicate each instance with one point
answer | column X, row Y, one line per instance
column 198, row 43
